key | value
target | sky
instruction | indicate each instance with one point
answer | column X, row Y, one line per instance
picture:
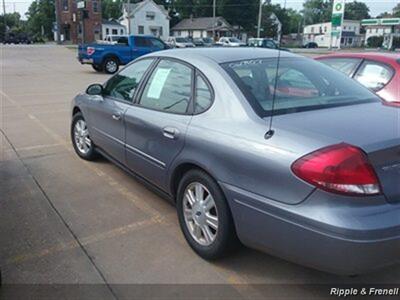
column 376, row 6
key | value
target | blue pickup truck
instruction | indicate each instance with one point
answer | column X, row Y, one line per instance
column 108, row 57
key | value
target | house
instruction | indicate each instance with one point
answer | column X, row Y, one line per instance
column 388, row 28
column 322, row 34
column 78, row 25
column 112, row 27
column 146, row 17
column 203, row 27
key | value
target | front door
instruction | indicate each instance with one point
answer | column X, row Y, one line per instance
column 107, row 116
column 156, row 125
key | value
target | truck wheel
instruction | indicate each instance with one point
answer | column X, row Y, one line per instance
column 110, row 65
column 97, row 68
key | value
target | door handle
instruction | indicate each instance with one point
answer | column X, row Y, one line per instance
column 116, row 116
column 170, row 132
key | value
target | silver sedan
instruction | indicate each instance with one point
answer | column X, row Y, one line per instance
column 271, row 149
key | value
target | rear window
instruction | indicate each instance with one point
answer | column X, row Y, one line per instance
column 345, row 65
column 296, row 84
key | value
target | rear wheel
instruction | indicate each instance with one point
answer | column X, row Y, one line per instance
column 80, row 138
column 204, row 216
column 110, row 65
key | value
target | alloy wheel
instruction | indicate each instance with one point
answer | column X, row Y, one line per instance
column 200, row 214
column 81, row 137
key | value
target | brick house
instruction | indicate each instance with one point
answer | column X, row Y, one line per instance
column 79, row 25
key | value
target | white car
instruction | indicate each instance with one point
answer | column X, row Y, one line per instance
column 179, row 42
column 110, row 39
column 231, row 42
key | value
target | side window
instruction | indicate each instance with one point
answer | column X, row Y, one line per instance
column 123, row 85
column 374, row 75
column 345, row 65
column 122, row 40
column 157, row 44
column 141, row 42
column 169, row 88
column 203, row 96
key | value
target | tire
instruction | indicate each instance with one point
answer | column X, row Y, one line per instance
column 97, row 68
column 221, row 241
column 110, row 65
column 84, row 148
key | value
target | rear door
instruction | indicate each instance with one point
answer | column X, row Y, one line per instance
column 124, row 49
column 142, row 46
column 107, row 116
column 156, row 125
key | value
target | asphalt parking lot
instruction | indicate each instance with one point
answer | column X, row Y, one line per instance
column 66, row 221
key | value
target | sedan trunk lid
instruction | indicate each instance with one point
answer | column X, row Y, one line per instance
column 373, row 127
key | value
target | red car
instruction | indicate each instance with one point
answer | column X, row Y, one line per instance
column 380, row 72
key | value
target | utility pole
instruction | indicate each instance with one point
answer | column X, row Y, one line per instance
column 57, row 22
column 214, row 9
column 129, row 17
column 259, row 19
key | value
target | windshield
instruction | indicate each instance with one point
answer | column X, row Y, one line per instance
column 256, row 42
column 300, row 84
column 182, row 40
column 234, row 40
column 207, row 40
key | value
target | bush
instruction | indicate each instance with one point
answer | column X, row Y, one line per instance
column 396, row 43
column 375, row 41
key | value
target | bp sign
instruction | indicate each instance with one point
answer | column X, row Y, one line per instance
column 337, row 13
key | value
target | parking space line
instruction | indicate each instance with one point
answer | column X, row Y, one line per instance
column 143, row 206
column 27, row 148
column 84, row 241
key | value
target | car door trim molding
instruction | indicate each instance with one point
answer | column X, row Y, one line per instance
column 109, row 136
column 152, row 159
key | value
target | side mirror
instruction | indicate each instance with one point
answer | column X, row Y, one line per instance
column 95, row 89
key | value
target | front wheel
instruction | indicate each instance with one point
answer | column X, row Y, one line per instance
column 110, row 65
column 204, row 216
column 80, row 138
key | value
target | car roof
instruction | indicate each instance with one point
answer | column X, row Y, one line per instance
column 378, row 56
column 225, row 54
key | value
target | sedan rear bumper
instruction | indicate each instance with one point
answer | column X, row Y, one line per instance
column 335, row 237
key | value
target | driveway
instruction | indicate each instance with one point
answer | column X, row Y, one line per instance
column 66, row 221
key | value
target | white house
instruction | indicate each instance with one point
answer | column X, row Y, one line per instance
column 389, row 28
column 322, row 34
column 203, row 27
column 146, row 17
column 112, row 27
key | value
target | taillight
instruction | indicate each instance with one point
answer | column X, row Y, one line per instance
column 340, row 168
column 392, row 103
column 90, row 50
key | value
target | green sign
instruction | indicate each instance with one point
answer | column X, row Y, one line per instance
column 336, row 20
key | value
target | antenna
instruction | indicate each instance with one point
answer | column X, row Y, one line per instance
column 270, row 131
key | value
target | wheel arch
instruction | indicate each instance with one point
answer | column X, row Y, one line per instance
column 180, row 170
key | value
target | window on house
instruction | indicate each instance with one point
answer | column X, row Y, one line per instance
column 65, row 5
column 107, row 31
column 141, row 29
column 312, row 29
column 150, row 15
column 114, row 31
column 122, row 31
column 95, row 7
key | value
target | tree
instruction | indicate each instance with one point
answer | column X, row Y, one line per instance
column 396, row 11
column 356, row 11
column 317, row 11
column 41, row 16
column 111, row 9
column 241, row 12
column 13, row 22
